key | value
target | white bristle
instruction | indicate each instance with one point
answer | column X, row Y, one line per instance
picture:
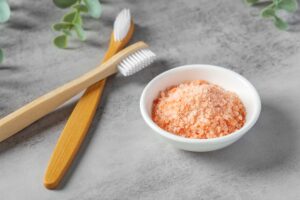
column 122, row 24
column 136, row 62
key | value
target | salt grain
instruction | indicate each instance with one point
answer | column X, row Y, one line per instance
column 198, row 109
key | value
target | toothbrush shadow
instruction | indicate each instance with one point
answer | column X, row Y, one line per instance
column 35, row 133
column 141, row 33
column 12, row 68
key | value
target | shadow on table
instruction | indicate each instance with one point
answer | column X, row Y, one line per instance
column 268, row 145
column 28, row 16
column 11, row 68
column 35, row 132
column 294, row 21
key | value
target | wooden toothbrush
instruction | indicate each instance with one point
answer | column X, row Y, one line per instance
column 127, row 62
column 81, row 118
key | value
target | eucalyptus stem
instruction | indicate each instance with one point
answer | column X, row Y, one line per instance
column 72, row 22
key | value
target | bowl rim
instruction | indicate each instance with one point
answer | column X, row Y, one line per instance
column 229, row 137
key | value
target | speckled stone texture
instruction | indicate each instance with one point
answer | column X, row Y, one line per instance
column 121, row 157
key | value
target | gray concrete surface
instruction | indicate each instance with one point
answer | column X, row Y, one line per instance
column 121, row 157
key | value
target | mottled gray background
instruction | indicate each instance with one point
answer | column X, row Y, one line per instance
column 122, row 158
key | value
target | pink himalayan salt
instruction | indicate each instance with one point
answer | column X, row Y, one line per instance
column 198, row 109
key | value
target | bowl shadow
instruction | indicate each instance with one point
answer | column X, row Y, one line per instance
column 269, row 144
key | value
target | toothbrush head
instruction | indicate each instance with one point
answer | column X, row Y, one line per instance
column 122, row 25
column 136, row 62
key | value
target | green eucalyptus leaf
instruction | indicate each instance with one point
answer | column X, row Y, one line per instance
column 94, row 8
column 288, row 5
column 280, row 24
column 62, row 26
column 4, row 11
column 251, row 2
column 1, row 55
column 61, row 41
column 69, row 17
column 81, row 8
column 268, row 11
column 64, row 3
column 77, row 19
column 80, row 32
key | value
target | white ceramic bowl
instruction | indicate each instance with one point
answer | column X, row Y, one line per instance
column 225, row 78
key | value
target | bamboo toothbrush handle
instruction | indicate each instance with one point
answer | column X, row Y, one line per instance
column 78, row 123
column 38, row 108
column 72, row 135
column 76, row 129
